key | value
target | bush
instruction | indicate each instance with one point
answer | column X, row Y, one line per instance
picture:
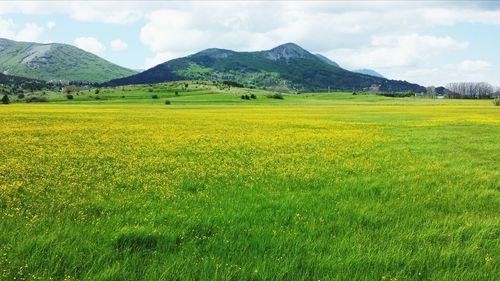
column 253, row 96
column 69, row 96
column 354, row 93
column 98, row 97
column 277, row 96
column 5, row 99
column 123, row 97
column 396, row 95
column 97, row 91
column 496, row 102
column 242, row 97
column 71, row 89
column 232, row 84
column 167, row 102
column 176, row 93
column 36, row 99
column 20, row 96
column 154, row 96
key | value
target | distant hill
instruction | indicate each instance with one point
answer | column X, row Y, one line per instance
column 370, row 72
column 286, row 67
column 56, row 62
column 8, row 81
column 326, row 60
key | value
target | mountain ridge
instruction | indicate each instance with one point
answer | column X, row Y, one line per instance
column 326, row 60
column 368, row 71
column 56, row 61
column 285, row 67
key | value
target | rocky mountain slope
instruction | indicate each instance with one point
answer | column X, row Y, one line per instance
column 56, row 62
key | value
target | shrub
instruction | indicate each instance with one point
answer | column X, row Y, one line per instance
column 69, row 96
column 232, row 84
column 150, row 90
column 253, row 96
column 98, row 97
column 396, row 95
column 242, row 97
column 176, row 93
column 154, row 96
column 496, row 101
column 97, row 91
column 123, row 97
column 277, row 96
column 20, row 96
column 36, row 99
column 5, row 99
column 71, row 89
column 167, row 102
column 354, row 93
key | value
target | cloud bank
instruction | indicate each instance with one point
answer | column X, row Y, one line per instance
column 395, row 37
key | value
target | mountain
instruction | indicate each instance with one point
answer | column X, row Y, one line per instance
column 370, row 72
column 287, row 67
column 56, row 62
column 326, row 60
column 364, row 71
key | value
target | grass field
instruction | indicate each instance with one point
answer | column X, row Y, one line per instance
column 212, row 187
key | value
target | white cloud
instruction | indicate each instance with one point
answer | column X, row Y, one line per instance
column 157, row 59
column 389, row 36
column 470, row 65
column 29, row 32
column 87, row 11
column 7, row 27
column 396, row 51
column 51, row 24
column 118, row 45
column 90, row 44
column 466, row 70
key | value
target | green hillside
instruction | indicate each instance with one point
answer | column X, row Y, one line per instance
column 287, row 67
column 56, row 61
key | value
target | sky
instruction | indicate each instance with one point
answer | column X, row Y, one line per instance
column 426, row 42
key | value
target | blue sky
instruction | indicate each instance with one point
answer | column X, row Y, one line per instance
column 431, row 43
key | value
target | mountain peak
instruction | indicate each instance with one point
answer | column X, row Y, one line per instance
column 286, row 51
column 215, row 53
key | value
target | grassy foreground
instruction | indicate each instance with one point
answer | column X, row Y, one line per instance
column 323, row 187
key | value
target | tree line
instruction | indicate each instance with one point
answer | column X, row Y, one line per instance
column 471, row 90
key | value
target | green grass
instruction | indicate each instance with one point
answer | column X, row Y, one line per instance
column 212, row 187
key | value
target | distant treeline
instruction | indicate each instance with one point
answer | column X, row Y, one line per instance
column 470, row 90
column 15, row 85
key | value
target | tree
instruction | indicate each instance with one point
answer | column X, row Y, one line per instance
column 374, row 88
column 469, row 90
column 70, row 89
column 5, row 99
column 431, row 91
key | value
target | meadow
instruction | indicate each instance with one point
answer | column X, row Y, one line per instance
column 329, row 186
